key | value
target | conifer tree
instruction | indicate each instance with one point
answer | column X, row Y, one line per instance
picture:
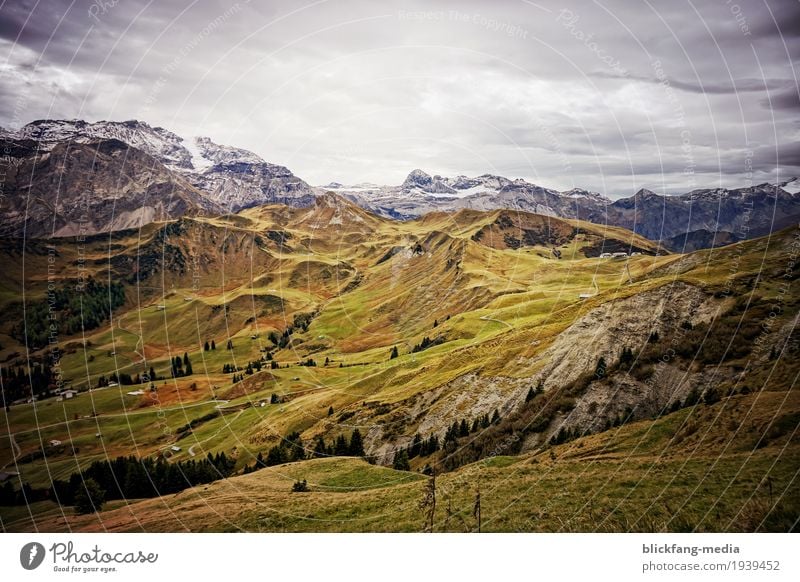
column 300, row 486
column 294, row 443
column 340, row 448
column 627, row 355
column 89, row 498
column 416, row 447
column 400, row 462
column 320, row 450
column 276, row 456
column 356, row 448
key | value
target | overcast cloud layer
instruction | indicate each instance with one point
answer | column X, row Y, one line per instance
column 609, row 95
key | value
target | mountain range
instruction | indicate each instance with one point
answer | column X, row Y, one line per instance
column 68, row 177
column 685, row 222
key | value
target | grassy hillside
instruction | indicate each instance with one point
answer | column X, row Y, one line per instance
column 694, row 470
column 594, row 367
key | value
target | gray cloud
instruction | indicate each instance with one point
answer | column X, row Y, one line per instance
column 710, row 88
column 561, row 92
column 788, row 100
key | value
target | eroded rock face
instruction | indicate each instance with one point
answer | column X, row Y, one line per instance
column 605, row 330
column 601, row 332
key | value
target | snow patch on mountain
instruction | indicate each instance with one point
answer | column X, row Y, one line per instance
column 200, row 163
column 158, row 142
column 792, row 186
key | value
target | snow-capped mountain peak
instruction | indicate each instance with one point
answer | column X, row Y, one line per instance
column 229, row 176
column 580, row 193
column 158, row 142
column 421, row 193
column 417, row 179
column 645, row 193
column 198, row 159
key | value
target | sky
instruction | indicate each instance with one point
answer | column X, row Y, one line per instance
column 610, row 95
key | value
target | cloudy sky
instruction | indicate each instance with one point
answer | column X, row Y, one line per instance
column 609, row 95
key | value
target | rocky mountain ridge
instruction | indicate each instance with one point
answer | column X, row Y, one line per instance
column 230, row 177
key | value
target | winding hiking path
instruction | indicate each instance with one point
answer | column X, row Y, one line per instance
column 15, row 448
column 487, row 318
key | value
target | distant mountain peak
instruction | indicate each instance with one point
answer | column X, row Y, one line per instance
column 330, row 200
column 587, row 194
column 417, row 178
column 222, row 154
column 211, row 177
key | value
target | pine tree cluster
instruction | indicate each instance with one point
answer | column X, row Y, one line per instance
column 76, row 308
column 132, row 478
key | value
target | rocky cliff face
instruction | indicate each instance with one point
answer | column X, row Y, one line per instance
column 128, row 173
column 88, row 187
column 237, row 178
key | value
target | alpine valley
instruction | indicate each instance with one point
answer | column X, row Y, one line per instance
column 216, row 345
